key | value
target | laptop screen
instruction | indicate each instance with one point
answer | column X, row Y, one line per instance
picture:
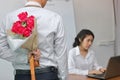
column 112, row 69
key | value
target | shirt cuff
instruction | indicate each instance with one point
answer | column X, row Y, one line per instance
column 85, row 72
column 98, row 67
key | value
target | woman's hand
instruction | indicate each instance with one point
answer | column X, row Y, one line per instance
column 102, row 69
column 94, row 72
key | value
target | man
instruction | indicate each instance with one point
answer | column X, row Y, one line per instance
column 51, row 43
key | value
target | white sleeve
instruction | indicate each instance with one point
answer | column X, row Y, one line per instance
column 61, row 50
column 95, row 64
column 71, row 66
column 5, row 52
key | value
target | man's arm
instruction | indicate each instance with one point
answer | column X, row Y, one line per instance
column 5, row 52
column 61, row 50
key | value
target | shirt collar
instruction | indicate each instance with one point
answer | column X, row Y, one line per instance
column 78, row 52
column 33, row 3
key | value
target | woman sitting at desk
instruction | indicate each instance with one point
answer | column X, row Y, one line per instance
column 81, row 59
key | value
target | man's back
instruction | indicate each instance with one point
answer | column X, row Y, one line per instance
column 47, row 26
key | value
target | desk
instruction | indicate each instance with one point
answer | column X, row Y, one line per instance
column 80, row 77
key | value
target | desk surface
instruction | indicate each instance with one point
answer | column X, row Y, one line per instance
column 79, row 77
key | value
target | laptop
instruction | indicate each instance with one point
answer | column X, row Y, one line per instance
column 113, row 69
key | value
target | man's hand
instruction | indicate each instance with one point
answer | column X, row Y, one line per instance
column 36, row 54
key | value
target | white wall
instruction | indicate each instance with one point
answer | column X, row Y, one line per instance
column 6, row 70
column 98, row 16
column 117, row 26
column 7, row 6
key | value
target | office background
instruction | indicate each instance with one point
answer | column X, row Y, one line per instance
column 96, row 15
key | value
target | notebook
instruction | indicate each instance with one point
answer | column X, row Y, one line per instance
column 113, row 69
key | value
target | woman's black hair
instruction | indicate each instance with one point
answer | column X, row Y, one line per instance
column 81, row 35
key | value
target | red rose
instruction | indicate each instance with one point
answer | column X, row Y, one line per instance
column 23, row 16
column 21, row 30
column 30, row 22
column 26, row 32
column 24, row 26
column 16, row 26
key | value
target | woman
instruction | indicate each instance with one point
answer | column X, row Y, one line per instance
column 81, row 58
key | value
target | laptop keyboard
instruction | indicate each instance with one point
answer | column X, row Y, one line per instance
column 100, row 75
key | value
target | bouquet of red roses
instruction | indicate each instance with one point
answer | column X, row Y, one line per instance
column 21, row 30
column 23, row 34
column 24, row 26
